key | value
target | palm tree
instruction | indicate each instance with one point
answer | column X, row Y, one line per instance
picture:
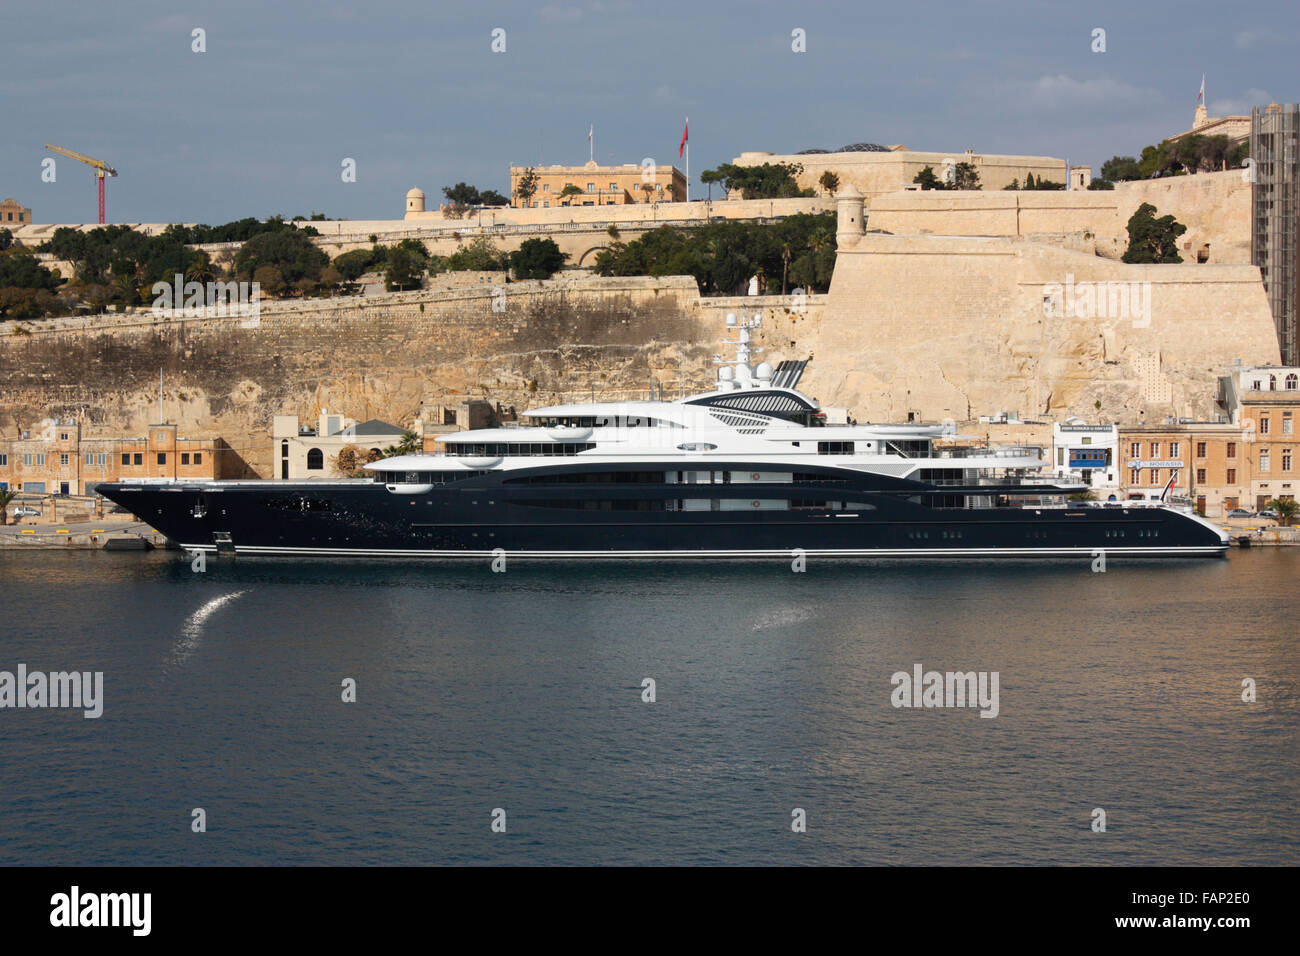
column 820, row 239
column 6, row 496
column 785, row 264
column 408, row 445
column 200, row 270
column 125, row 288
column 1286, row 509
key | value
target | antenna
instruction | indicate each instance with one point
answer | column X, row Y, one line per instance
column 740, row 372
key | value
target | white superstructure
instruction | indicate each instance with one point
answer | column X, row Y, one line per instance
column 754, row 415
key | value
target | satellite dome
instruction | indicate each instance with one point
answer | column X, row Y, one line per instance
column 764, row 372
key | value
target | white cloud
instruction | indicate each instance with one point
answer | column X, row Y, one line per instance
column 1256, row 38
column 1239, row 106
column 1065, row 92
column 559, row 14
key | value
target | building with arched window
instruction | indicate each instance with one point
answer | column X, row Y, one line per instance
column 304, row 452
column 58, row 457
column 1263, row 403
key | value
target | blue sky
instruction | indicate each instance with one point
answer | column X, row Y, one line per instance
column 261, row 122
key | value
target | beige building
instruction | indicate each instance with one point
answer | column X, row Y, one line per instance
column 58, row 459
column 1264, row 402
column 304, row 452
column 600, row 185
column 1207, row 461
column 876, row 170
column 14, row 214
column 1236, row 128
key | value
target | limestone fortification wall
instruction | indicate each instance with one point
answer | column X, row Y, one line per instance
column 368, row 358
column 945, row 327
column 960, row 327
column 508, row 226
column 698, row 210
column 1215, row 208
column 875, row 174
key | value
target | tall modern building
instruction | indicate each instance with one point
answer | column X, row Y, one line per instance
column 1275, row 217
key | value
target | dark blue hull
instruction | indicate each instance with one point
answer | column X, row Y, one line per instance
column 823, row 515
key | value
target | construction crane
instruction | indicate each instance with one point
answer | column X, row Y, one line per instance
column 101, row 168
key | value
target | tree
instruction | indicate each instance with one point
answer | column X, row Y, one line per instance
column 7, row 496
column 6, row 239
column 350, row 462
column 709, row 177
column 1121, row 169
column 928, row 180
column 768, row 181
column 200, row 270
column 829, row 182
column 269, row 279
column 408, row 445
column 721, row 256
column 1158, row 160
column 1041, row 183
column 403, row 269
column 1101, row 184
column 490, row 197
column 526, row 188
column 537, row 259
column 966, row 176
column 569, row 190
column 1239, row 154
column 20, row 269
column 1188, row 152
column 461, row 194
column 330, row 278
column 479, row 255
column 293, row 254
column 1215, row 152
column 1152, row 240
column 1286, row 509
column 352, row 265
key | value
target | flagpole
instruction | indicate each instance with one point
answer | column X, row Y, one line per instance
column 688, row 159
column 591, row 142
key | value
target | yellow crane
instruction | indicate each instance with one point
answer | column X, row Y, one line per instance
column 101, row 168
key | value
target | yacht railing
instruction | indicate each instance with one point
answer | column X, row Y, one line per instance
column 1000, row 451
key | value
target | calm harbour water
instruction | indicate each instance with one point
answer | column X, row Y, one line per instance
column 522, row 691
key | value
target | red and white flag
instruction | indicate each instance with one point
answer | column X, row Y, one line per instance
column 1200, row 97
column 591, row 129
column 685, row 136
